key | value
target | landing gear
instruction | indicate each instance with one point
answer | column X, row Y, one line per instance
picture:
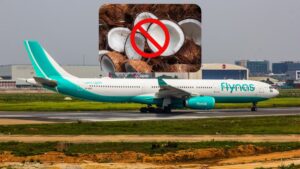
column 167, row 109
column 151, row 109
column 254, row 107
column 144, row 110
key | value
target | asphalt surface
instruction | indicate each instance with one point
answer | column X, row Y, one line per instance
column 135, row 115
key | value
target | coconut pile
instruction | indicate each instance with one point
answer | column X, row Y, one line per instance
column 183, row 53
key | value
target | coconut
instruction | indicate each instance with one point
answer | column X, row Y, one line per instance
column 181, row 68
column 111, row 62
column 142, row 16
column 137, row 66
column 103, row 52
column 116, row 38
column 191, row 29
column 176, row 37
column 190, row 53
column 130, row 52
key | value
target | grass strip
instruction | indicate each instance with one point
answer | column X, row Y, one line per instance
column 56, row 102
column 27, row 149
column 236, row 125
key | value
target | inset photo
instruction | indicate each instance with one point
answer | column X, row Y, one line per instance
column 149, row 38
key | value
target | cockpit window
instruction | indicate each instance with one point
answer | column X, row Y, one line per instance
column 271, row 88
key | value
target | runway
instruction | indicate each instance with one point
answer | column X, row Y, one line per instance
column 135, row 115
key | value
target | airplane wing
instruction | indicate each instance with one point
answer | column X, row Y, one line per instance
column 45, row 82
column 167, row 90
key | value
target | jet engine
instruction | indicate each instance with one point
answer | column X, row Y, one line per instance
column 200, row 102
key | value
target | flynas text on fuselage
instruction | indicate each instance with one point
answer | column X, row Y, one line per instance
column 237, row 87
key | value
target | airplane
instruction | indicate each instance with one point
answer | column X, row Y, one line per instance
column 165, row 94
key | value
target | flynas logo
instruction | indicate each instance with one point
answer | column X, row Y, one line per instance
column 93, row 83
column 237, row 87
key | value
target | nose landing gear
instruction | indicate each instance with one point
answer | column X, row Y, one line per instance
column 254, row 107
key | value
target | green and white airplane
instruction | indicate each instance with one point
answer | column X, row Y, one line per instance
column 166, row 94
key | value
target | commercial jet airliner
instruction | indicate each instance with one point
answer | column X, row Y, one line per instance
column 165, row 94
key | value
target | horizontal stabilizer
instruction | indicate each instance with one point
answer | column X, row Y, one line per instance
column 45, row 82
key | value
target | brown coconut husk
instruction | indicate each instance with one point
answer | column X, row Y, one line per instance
column 184, row 11
column 103, row 30
column 113, row 14
column 138, row 66
column 191, row 11
column 177, row 12
column 159, row 63
column 190, row 53
column 134, row 10
column 171, row 60
column 156, row 63
column 174, row 12
column 117, row 59
column 181, row 68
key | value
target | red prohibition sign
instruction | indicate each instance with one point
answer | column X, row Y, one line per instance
column 160, row 48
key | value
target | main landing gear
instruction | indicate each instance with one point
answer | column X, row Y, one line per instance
column 147, row 109
column 254, row 107
column 150, row 109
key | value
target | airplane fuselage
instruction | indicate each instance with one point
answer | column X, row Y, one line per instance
column 144, row 90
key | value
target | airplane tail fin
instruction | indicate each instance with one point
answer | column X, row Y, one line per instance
column 43, row 64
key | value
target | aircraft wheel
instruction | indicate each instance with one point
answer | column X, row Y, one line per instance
column 254, row 108
column 143, row 110
column 167, row 110
column 158, row 110
column 151, row 109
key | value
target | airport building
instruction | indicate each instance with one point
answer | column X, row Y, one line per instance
column 256, row 68
column 284, row 67
column 14, row 74
column 7, row 83
column 223, row 71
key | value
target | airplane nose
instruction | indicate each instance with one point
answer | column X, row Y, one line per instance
column 276, row 92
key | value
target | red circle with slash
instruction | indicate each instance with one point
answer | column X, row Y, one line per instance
column 160, row 48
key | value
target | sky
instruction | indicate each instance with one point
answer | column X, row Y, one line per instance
column 232, row 29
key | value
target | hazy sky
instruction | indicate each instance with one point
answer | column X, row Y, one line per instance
column 232, row 29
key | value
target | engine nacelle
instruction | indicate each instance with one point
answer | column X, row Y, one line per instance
column 200, row 102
